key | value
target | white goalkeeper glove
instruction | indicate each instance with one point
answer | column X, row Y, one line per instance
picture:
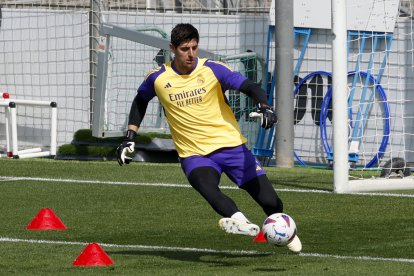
column 125, row 151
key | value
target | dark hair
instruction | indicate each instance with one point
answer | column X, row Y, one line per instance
column 183, row 32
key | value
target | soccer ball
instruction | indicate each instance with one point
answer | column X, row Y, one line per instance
column 279, row 229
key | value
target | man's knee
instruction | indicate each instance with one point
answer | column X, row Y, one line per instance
column 204, row 177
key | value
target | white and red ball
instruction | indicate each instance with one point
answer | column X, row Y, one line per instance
column 279, row 229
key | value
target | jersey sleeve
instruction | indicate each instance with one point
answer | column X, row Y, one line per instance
column 146, row 90
column 145, row 93
column 228, row 78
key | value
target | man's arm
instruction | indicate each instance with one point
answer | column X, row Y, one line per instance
column 126, row 149
column 134, row 128
column 254, row 91
column 230, row 79
column 137, row 111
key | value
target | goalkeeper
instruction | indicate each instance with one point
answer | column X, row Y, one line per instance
column 205, row 131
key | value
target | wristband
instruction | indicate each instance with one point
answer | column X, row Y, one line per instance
column 131, row 135
column 264, row 106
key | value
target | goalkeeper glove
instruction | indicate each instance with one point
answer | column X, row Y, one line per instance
column 268, row 117
column 126, row 149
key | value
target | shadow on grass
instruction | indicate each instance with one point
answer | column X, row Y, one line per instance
column 302, row 178
column 303, row 182
column 213, row 258
column 302, row 187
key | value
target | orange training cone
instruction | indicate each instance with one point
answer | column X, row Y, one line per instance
column 93, row 255
column 260, row 237
column 46, row 219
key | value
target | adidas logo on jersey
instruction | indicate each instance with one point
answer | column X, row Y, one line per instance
column 168, row 85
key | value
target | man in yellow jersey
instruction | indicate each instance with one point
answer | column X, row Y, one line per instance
column 205, row 131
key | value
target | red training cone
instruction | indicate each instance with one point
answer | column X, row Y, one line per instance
column 46, row 219
column 93, row 255
column 260, row 237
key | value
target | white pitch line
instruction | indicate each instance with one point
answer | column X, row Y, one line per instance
column 77, row 181
column 208, row 250
column 361, row 258
column 172, row 185
column 151, row 247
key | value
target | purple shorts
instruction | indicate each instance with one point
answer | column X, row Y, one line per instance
column 238, row 163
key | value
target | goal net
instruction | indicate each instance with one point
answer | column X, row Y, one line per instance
column 44, row 56
column 50, row 49
column 379, row 92
column 50, row 52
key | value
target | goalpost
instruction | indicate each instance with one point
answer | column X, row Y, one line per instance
column 395, row 178
column 354, row 110
column 371, row 102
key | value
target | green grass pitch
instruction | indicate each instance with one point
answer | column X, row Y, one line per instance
column 151, row 222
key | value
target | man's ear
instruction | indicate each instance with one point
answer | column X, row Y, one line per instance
column 172, row 48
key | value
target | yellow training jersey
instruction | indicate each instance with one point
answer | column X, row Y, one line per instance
column 198, row 113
